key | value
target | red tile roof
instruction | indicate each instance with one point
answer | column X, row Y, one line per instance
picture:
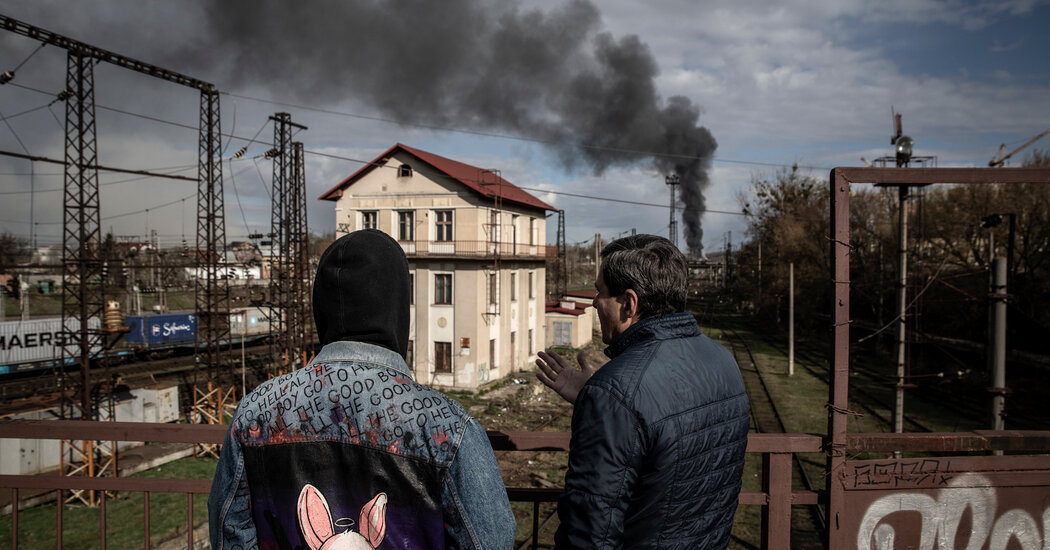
column 485, row 182
column 589, row 294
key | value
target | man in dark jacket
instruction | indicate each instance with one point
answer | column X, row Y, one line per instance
column 350, row 452
column 659, row 432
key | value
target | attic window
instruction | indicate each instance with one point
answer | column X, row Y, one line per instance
column 404, row 171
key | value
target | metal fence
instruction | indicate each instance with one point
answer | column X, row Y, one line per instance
column 776, row 498
column 478, row 249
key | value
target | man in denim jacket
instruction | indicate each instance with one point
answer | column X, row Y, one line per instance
column 351, row 452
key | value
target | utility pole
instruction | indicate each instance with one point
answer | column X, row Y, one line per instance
column 563, row 260
column 672, row 181
column 791, row 319
column 760, row 267
column 998, row 378
column 729, row 257
column 597, row 254
column 902, row 305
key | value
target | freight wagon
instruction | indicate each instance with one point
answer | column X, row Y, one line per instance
column 37, row 344
column 161, row 330
column 174, row 333
column 33, row 344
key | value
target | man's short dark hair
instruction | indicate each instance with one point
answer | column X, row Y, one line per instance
column 650, row 266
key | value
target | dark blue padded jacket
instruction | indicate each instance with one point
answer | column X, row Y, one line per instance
column 658, row 439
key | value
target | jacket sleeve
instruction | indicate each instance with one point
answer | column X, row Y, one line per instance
column 230, row 521
column 474, row 491
column 603, row 469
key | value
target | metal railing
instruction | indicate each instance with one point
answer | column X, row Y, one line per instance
column 478, row 249
column 776, row 496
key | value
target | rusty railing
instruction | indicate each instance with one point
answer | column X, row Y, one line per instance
column 478, row 249
column 776, row 498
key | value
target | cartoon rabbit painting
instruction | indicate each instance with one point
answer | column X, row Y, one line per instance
column 315, row 522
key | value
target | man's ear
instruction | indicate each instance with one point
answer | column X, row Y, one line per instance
column 631, row 307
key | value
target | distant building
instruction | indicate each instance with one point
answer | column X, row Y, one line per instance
column 476, row 253
column 569, row 323
column 585, row 298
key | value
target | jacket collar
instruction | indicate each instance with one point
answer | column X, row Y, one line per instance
column 343, row 350
column 675, row 325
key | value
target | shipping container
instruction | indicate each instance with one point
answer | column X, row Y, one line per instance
column 250, row 321
column 159, row 403
column 162, row 329
column 26, row 345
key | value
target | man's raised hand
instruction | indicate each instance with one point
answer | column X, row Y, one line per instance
column 557, row 374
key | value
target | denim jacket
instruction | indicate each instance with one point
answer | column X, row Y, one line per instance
column 351, row 449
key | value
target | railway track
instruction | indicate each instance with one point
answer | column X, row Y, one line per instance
column 42, row 387
column 767, row 419
column 966, row 402
column 869, row 403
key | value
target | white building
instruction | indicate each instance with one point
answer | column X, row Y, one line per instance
column 476, row 253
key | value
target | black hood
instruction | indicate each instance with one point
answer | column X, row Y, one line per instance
column 361, row 292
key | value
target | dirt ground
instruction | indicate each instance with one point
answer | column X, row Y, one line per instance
column 522, row 403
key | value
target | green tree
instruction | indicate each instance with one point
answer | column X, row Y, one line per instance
column 788, row 218
column 13, row 250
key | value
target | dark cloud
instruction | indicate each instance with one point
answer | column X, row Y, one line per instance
column 552, row 75
column 548, row 75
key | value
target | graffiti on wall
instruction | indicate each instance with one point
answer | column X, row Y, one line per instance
column 963, row 514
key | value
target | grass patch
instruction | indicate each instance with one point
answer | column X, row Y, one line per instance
column 124, row 514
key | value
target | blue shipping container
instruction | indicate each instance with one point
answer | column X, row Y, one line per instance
column 163, row 329
column 134, row 324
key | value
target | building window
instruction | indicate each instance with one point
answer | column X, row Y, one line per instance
column 514, row 287
column 493, row 295
column 442, row 357
column 404, row 171
column 370, row 219
column 514, row 234
column 532, row 284
column 443, row 288
column 406, row 226
column 443, row 219
column 532, row 231
column 411, row 288
column 529, row 350
column 494, row 224
column 409, row 355
column 492, row 353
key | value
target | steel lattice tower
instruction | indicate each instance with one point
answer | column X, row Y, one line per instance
column 300, row 265
column 288, row 271
column 83, row 300
column 211, row 386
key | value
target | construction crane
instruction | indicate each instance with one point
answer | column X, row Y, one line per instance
column 1002, row 158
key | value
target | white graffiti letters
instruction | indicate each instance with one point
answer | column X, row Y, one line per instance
column 941, row 518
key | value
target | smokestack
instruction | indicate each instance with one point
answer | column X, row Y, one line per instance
column 551, row 75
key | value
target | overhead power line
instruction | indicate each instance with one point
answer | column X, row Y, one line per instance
column 622, row 201
column 98, row 167
column 429, row 127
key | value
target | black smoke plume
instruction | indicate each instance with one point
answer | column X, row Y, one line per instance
column 552, row 75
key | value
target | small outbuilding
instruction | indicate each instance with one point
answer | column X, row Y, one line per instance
column 569, row 323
